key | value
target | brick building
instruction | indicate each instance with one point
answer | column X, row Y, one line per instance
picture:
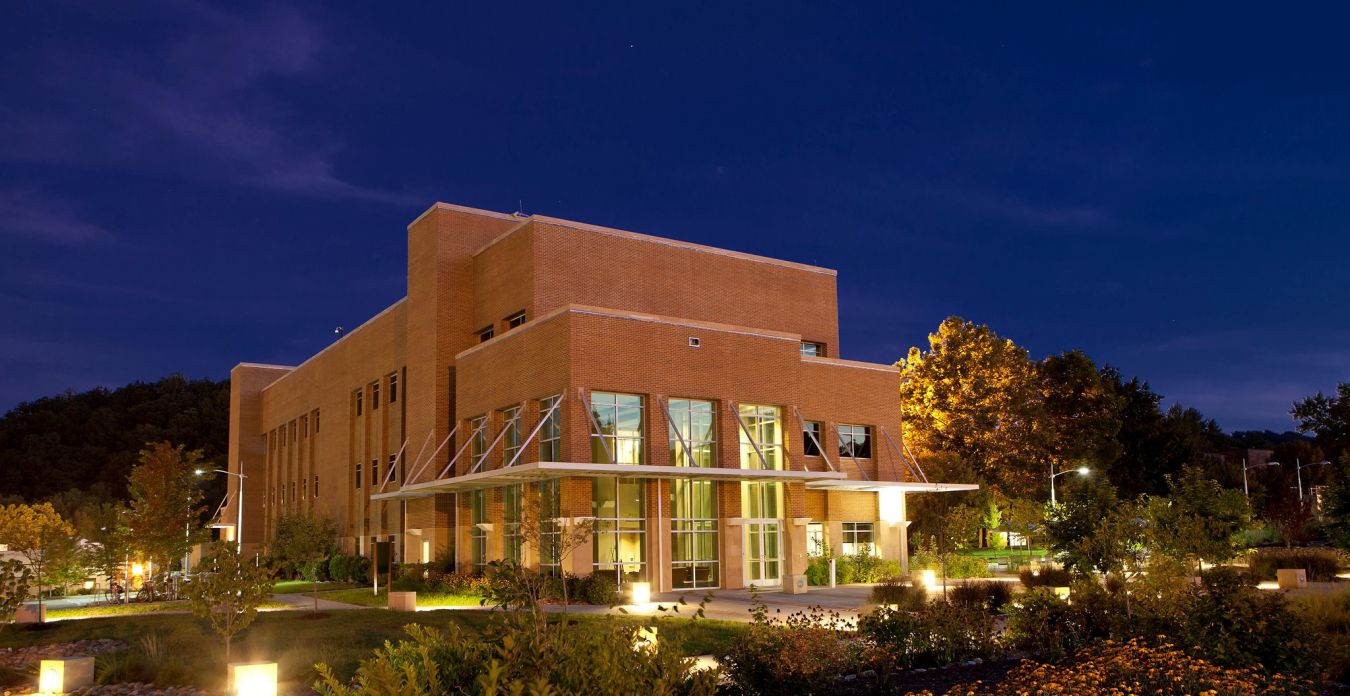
column 689, row 400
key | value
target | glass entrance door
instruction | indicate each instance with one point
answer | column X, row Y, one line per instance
column 763, row 552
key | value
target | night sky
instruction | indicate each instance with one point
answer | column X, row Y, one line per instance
column 186, row 186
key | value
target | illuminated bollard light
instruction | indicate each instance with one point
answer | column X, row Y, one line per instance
column 929, row 578
column 65, row 674
column 642, row 592
column 252, row 678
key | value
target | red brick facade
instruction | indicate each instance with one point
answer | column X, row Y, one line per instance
column 603, row 311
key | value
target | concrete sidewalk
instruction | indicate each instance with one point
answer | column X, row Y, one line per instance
column 306, row 602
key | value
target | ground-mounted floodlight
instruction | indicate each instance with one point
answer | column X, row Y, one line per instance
column 251, row 678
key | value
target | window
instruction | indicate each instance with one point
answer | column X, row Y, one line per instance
column 761, row 437
column 294, row 434
column 693, row 426
column 693, row 533
column 316, row 486
column 813, row 350
column 811, row 441
column 274, row 496
column 550, row 435
column 358, row 475
column 515, row 320
column 694, row 342
column 477, row 535
column 477, row 442
column 815, row 539
column 304, row 489
column 393, row 387
column 485, row 335
column 620, row 539
column 511, row 438
column 855, row 441
column 374, row 395
column 292, row 491
column 550, row 532
column 304, row 427
column 858, row 539
column 316, row 421
column 393, row 471
column 274, row 440
column 761, row 501
column 374, row 472
column 283, row 435
column 619, row 417
column 511, row 509
column 360, row 394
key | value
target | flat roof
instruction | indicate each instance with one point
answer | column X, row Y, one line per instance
column 878, row 486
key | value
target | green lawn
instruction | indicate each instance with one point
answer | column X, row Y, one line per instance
column 190, row 653
column 366, row 598
column 136, row 608
column 1002, row 553
column 307, row 587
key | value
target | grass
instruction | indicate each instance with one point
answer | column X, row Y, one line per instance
column 1018, row 552
column 187, row 652
column 366, row 598
column 135, row 609
column 306, row 587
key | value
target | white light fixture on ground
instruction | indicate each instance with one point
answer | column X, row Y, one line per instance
column 642, row 593
column 929, row 578
column 251, row 678
column 65, row 674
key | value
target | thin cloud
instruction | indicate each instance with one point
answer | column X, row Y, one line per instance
column 208, row 102
column 31, row 215
column 1024, row 213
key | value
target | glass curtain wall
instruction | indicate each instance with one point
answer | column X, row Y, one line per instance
column 477, row 536
column 512, row 497
column 762, row 436
column 694, row 422
column 619, row 417
column 511, row 436
column 477, row 443
column 620, row 540
column 550, row 533
column 693, row 503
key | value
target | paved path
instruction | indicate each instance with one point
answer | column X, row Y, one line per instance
column 306, row 601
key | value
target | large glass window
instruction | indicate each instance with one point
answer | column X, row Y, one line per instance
column 620, row 419
column 477, row 442
column 550, row 434
column 811, row 439
column 815, row 539
column 477, row 535
column 620, row 541
column 693, row 533
column 855, row 441
column 694, row 422
column 761, row 436
column 511, row 438
column 761, row 501
column 858, row 539
column 511, row 509
column 550, row 532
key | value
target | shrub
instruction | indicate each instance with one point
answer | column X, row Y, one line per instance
column 344, row 568
column 1163, row 671
column 939, row 635
column 893, row 591
column 598, row 589
column 958, row 565
column 1322, row 564
column 990, row 595
column 1045, row 577
column 1046, row 625
column 800, row 655
column 818, row 571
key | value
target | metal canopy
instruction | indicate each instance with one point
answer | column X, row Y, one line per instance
column 877, row 486
column 543, row 471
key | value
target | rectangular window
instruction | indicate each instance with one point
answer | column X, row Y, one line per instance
column 761, row 437
column 511, row 437
column 274, row 496
column 374, row 472
column 515, row 320
column 619, row 417
column 304, row 489
column 374, row 395
column 292, row 491
column 811, row 440
column 485, row 335
column 813, row 350
column 283, row 435
column 477, row 443
column 815, row 539
column 358, row 475
column 392, row 472
column 550, row 434
column 858, row 539
column 855, row 441
column 550, row 531
column 693, row 426
column 360, row 400
column 477, row 535
column 511, row 509
column 693, row 533
column 274, row 440
column 304, row 427
column 393, row 388
column 316, row 485
column 294, row 432
column 620, row 537
column 316, row 421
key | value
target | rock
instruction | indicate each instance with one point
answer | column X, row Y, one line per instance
column 869, row 673
column 850, row 677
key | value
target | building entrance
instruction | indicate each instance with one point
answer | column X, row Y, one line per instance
column 764, row 552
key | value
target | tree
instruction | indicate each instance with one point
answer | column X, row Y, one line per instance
column 1080, row 411
column 1327, row 417
column 1074, row 521
column 1117, row 545
column 974, row 394
column 14, row 577
column 542, row 528
column 304, row 538
column 229, row 594
column 39, row 534
column 1290, row 517
column 166, row 510
column 103, row 525
column 1199, row 521
column 1336, row 502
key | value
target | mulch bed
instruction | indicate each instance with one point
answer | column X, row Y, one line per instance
column 936, row 681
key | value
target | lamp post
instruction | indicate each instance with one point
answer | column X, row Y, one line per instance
column 1298, row 471
column 1082, row 470
column 239, row 501
column 1245, row 467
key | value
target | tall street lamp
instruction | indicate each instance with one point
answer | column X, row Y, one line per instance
column 1298, row 470
column 1082, row 470
column 1244, row 473
column 239, row 501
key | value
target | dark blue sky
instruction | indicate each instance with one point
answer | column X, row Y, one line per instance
column 187, row 186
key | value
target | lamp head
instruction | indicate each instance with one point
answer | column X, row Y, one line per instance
column 1084, row 470
column 1321, row 464
column 1272, row 463
column 199, row 472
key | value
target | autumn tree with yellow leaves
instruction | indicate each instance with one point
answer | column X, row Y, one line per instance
column 39, row 533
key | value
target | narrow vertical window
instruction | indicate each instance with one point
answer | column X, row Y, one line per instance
column 693, row 433
column 393, row 470
column 477, row 535
column 358, row 475
column 620, row 537
column 815, row 539
column 512, row 498
column 550, row 435
column 393, row 387
column 811, row 441
column 511, row 435
column 693, row 533
column 304, row 427
column 477, row 442
column 374, row 472
column 294, row 434
column 316, row 485
column 374, row 395
column 360, row 399
column 619, row 417
column 283, row 436
column 316, row 421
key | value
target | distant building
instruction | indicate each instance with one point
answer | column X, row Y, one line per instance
column 690, row 400
column 1252, row 457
